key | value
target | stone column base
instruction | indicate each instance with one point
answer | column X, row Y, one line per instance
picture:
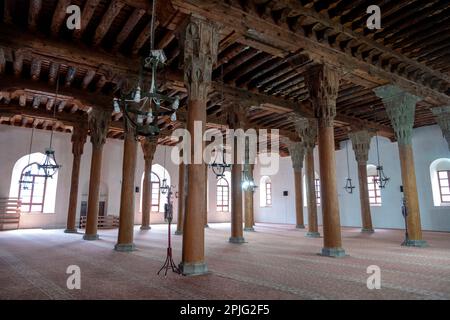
column 193, row 269
column 145, row 227
column 249, row 229
column 415, row 243
column 178, row 233
column 90, row 237
column 300, row 226
column 333, row 252
column 313, row 235
column 71, row 231
column 124, row 247
column 364, row 230
column 237, row 240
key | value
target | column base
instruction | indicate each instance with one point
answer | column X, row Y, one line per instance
column 415, row 243
column 300, row 226
column 178, row 233
column 124, row 247
column 145, row 227
column 193, row 269
column 313, row 234
column 236, row 240
column 333, row 252
column 365, row 230
column 71, row 231
column 249, row 229
column 90, row 237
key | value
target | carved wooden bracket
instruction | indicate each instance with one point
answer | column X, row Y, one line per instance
column 79, row 136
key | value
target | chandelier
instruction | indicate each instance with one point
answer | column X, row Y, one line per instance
column 381, row 178
column 348, row 182
column 219, row 167
column 50, row 166
column 142, row 109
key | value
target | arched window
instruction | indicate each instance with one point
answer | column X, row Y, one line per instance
column 265, row 192
column 317, row 188
column 373, row 186
column 156, row 178
column 440, row 181
column 223, row 195
column 28, row 182
column 155, row 192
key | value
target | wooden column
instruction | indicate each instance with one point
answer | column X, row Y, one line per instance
column 127, row 199
column 98, row 127
column 361, row 146
column 248, row 205
column 199, row 39
column 79, row 136
column 182, row 183
column 236, row 120
column 442, row 117
column 307, row 130
column 323, row 85
column 400, row 107
column 297, row 152
column 148, row 145
column 206, row 197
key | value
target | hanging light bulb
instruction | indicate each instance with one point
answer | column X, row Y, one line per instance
column 137, row 95
column 140, row 119
column 116, row 105
column 150, row 116
column 348, row 182
column 381, row 178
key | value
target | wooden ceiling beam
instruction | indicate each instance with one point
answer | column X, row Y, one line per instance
column 264, row 30
column 33, row 13
column 112, row 12
column 58, row 16
column 86, row 16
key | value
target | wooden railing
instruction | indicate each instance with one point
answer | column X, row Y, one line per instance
column 104, row 222
column 9, row 213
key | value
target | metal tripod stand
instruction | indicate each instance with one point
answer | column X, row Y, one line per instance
column 168, row 214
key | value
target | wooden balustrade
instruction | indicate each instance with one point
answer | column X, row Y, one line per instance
column 9, row 213
column 103, row 222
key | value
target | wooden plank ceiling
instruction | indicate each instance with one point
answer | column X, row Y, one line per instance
column 266, row 48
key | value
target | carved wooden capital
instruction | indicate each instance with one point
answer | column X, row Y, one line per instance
column 400, row 108
column 79, row 136
column 297, row 152
column 442, row 116
column 200, row 40
column 99, row 121
column 361, row 144
column 149, row 145
column 322, row 82
column 307, row 130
